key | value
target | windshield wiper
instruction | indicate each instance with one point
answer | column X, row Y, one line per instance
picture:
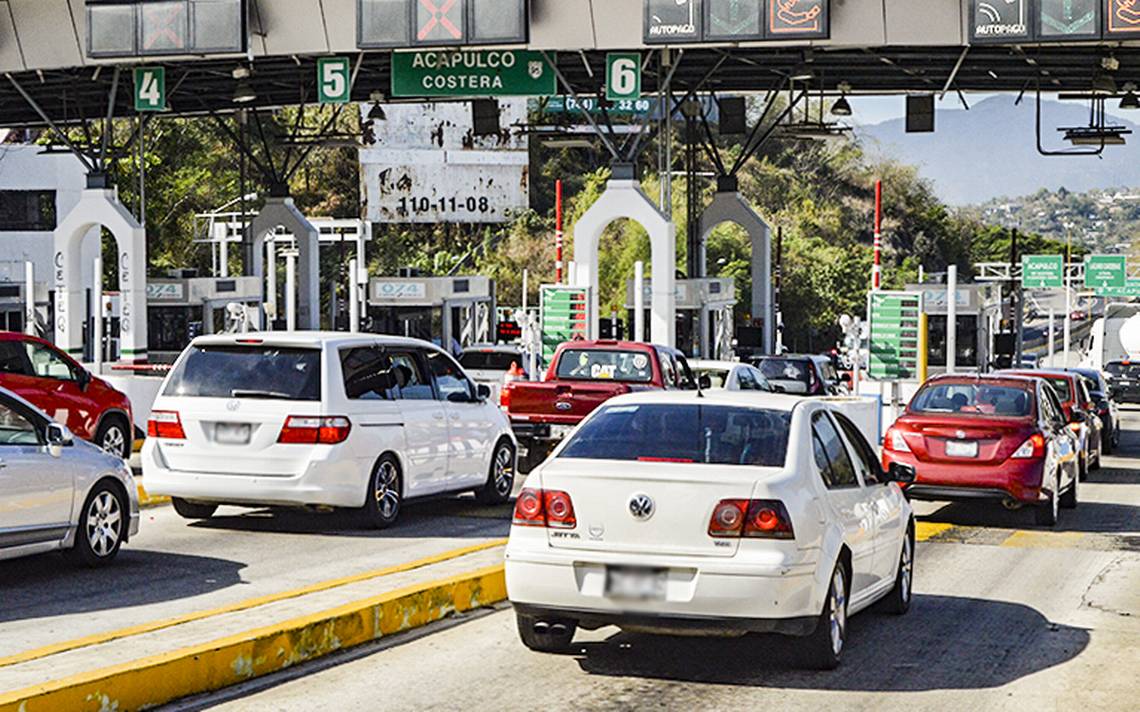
column 240, row 393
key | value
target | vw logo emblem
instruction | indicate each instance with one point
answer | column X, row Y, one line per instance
column 563, row 405
column 233, row 405
column 641, row 506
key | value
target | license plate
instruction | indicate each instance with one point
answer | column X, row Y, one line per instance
column 961, row 448
column 232, row 433
column 558, row 432
column 636, row 584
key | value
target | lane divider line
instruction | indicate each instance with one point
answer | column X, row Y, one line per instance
column 106, row 637
column 227, row 661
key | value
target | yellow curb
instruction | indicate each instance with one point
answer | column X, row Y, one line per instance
column 146, row 501
column 924, row 531
column 1044, row 540
column 211, row 666
column 100, row 638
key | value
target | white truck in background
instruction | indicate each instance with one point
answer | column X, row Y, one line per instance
column 1115, row 336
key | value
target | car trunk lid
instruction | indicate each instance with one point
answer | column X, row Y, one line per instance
column 948, row 438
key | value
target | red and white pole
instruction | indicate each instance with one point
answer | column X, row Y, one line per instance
column 558, row 232
column 877, row 267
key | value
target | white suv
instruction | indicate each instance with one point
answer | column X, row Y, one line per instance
column 324, row 419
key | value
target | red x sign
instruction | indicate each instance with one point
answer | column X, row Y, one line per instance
column 439, row 18
column 166, row 27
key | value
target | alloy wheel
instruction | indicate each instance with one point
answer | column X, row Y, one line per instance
column 113, row 441
column 906, row 569
column 504, row 471
column 838, row 621
column 104, row 523
column 387, row 490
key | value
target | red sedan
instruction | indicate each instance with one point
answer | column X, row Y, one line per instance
column 1080, row 412
column 988, row 437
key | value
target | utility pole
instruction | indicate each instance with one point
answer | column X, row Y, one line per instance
column 877, row 267
column 1019, row 313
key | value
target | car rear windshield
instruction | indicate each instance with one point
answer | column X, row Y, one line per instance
column 268, row 372
column 489, row 360
column 716, row 435
column 602, row 365
column 1061, row 385
column 786, row 369
column 973, row 399
column 1123, row 370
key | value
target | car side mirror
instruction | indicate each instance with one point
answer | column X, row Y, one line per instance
column 484, row 391
column 903, row 474
column 58, row 437
column 704, row 382
column 845, row 377
column 1077, row 416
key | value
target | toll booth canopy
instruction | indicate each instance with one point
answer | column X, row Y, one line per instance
column 446, row 310
column 978, row 319
column 180, row 309
column 704, row 315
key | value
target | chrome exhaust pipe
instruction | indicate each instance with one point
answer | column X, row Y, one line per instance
column 1011, row 504
column 542, row 627
column 558, row 629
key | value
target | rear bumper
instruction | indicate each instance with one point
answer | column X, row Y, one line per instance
column 332, row 483
column 1013, row 479
column 702, row 596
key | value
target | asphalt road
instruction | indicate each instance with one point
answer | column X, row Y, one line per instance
column 1007, row 616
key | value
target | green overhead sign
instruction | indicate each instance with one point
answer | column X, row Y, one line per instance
column 478, row 73
column 1043, row 271
column 150, row 89
column 623, row 76
column 1105, row 272
column 1130, row 288
column 894, row 335
column 334, row 80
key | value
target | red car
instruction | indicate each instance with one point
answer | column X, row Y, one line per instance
column 54, row 382
column 1080, row 413
column 1003, row 438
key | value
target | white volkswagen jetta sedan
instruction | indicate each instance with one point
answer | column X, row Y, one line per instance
column 710, row 514
column 322, row 419
column 59, row 493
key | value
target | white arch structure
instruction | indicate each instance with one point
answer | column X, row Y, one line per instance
column 626, row 199
column 97, row 208
column 280, row 211
column 730, row 207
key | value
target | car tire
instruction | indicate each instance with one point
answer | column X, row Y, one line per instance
column 501, row 477
column 824, row 646
column 385, row 496
column 1096, row 465
column 193, row 510
column 544, row 636
column 1083, row 469
column 898, row 600
column 115, row 437
column 102, row 526
column 1045, row 515
column 1068, row 499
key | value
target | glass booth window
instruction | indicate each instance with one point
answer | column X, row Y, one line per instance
column 967, row 337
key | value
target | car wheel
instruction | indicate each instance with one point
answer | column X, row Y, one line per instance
column 1068, row 499
column 193, row 510
column 1083, row 469
column 825, row 645
column 112, row 436
column 544, row 636
column 1095, row 465
column 102, row 524
column 501, row 478
column 898, row 600
column 385, row 494
column 1046, row 513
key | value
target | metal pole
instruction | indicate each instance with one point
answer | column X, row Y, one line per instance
column 291, row 290
column 270, row 283
column 1051, row 351
column 557, row 234
column 639, row 301
column 951, row 318
column 921, row 274
column 142, row 170
column 1068, row 329
column 30, row 298
column 353, row 300
column 923, row 348
column 1019, row 310
column 224, row 260
column 97, row 327
column 877, row 268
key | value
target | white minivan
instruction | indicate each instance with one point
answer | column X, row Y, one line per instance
column 322, row 419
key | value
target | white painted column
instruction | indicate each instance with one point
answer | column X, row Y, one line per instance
column 639, row 301
column 353, row 298
column 951, row 318
column 291, row 290
column 97, row 312
column 1050, row 355
column 30, row 298
column 270, row 283
column 224, row 257
column 1068, row 317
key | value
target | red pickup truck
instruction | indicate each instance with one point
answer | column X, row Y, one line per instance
column 583, row 375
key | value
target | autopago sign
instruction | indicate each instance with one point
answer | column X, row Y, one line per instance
column 471, row 73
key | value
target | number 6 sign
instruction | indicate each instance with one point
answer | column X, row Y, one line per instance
column 333, row 80
column 623, row 76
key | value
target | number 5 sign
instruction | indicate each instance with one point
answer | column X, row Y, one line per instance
column 150, row 89
column 623, row 76
column 333, row 80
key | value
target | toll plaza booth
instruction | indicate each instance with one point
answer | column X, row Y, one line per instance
column 705, row 321
column 446, row 310
column 184, row 306
column 12, row 306
column 979, row 309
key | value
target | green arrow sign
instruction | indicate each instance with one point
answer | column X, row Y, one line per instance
column 472, row 73
column 1105, row 271
column 150, row 89
column 1043, row 271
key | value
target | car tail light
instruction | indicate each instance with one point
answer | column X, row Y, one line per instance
column 505, row 396
column 314, row 430
column 1031, row 448
column 544, row 508
column 751, row 519
column 894, row 440
column 165, row 424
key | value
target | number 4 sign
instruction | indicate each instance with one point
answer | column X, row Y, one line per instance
column 623, row 76
column 150, row 89
column 333, row 80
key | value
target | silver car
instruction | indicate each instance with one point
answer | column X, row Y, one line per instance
column 57, row 492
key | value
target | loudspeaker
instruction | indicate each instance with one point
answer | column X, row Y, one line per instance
column 733, row 116
column 920, row 114
column 485, row 117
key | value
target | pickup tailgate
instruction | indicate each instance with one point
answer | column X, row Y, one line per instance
column 562, row 402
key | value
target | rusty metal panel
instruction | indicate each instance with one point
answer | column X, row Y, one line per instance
column 427, row 166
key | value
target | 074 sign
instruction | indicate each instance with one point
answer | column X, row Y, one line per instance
column 150, row 89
